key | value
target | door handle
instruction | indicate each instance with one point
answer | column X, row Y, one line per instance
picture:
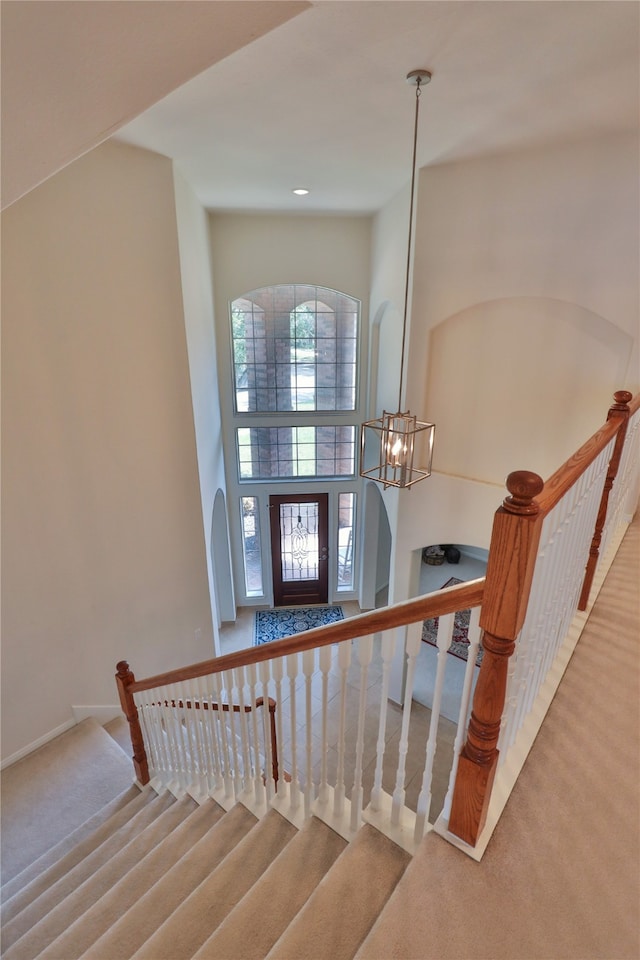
column 324, row 554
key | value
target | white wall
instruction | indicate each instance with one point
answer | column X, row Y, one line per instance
column 388, row 278
column 197, row 295
column 526, row 303
column 524, row 320
column 102, row 538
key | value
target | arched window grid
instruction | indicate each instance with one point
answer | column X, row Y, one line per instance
column 295, row 350
column 295, row 378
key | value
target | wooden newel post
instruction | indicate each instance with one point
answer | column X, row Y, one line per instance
column 124, row 678
column 512, row 555
column 620, row 411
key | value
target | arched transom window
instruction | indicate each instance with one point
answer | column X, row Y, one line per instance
column 294, row 349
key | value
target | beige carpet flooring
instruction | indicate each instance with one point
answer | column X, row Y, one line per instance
column 560, row 878
column 62, row 769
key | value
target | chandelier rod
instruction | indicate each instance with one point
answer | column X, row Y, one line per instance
column 417, row 77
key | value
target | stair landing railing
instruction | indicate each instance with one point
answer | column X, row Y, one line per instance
column 543, row 555
column 204, row 728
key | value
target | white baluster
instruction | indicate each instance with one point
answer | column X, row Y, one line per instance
column 259, row 786
column 308, row 668
column 445, row 635
column 365, row 653
column 266, row 667
column 223, row 739
column 387, row 651
column 166, row 765
column 192, row 716
column 239, row 677
column 199, row 754
column 344, row 662
column 189, row 747
column 149, row 733
column 233, row 735
column 294, row 787
column 325, row 656
column 174, row 739
column 213, row 724
column 414, row 633
column 465, row 704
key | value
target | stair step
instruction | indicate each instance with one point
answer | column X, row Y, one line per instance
column 70, row 846
column 203, row 911
column 344, row 906
column 81, row 934
column 84, row 764
column 35, row 926
column 118, row 730
column 152, row 909
column 51, row 875
column 265, row 911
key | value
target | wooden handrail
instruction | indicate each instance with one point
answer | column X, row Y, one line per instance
column 450, row 600
column 566, row 475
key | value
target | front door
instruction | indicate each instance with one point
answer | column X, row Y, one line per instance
column 299, row 549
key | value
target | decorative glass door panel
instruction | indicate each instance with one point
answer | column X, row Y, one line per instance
column 299, row 549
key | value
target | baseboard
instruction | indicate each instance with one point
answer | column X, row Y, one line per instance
column 40, row 742
column 103, row 714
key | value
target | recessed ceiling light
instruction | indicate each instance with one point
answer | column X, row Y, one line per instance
column 301, row 191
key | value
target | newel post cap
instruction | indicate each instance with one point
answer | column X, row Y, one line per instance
column 523, row 486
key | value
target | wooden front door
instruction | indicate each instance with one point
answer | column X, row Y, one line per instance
column 299, row 549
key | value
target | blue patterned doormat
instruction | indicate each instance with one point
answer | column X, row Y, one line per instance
column 286, row 621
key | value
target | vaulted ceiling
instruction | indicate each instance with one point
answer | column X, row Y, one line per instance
column 253, row 99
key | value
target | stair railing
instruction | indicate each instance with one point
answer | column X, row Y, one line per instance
column 330, row 690
column 330, row 685
column 536, row 581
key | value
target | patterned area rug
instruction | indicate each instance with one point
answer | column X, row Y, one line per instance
column 285, row 621
column 460, row 642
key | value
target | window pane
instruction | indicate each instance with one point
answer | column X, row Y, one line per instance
column 251, row 546
column 290, row 452
column 346, row 511
column 294, row 348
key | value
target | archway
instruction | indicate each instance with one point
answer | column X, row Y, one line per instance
column 376, row 550
column 225, row 600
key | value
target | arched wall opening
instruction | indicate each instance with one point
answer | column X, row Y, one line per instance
column 518, row 383
column 221, row 562
column 376, row 550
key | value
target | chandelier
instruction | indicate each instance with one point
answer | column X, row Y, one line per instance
column 400, row 438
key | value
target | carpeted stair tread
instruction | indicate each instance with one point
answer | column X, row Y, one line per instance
column 339, row 914
column 137, row 834
column 109, row 908
column 265, row 911
column 118, row 730
column 61, row 868
column 158, row 903
column 69, row 847
column 84, row 763
column 204, row 910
